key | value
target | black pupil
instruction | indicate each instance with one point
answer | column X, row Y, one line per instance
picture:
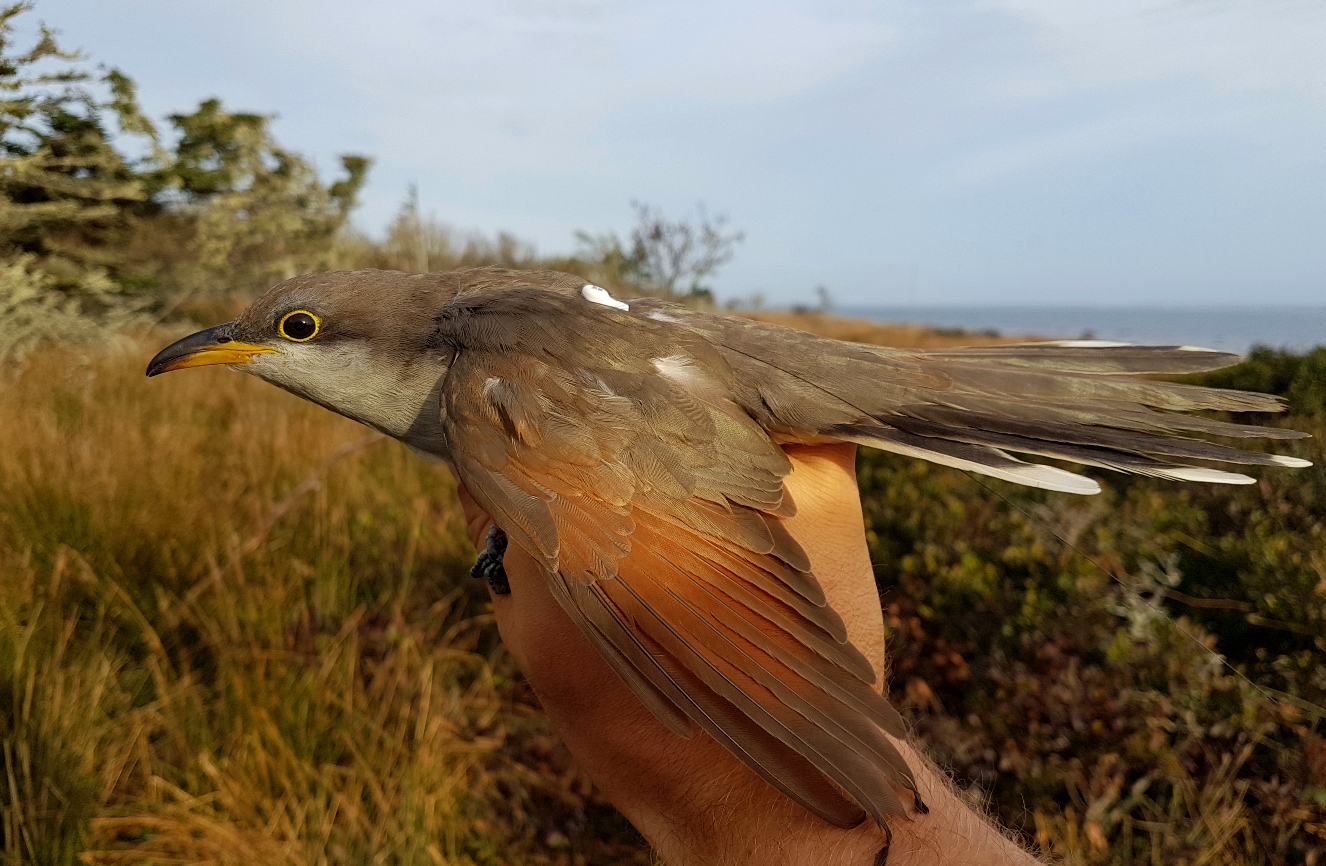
column 300, row 326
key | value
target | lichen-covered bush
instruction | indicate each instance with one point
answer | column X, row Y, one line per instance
column 91, row 237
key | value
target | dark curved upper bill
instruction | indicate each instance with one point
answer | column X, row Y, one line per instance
column 212, row 346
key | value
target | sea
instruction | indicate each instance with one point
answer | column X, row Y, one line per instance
column 1230, row 329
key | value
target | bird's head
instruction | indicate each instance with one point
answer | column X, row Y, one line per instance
column 356, row 342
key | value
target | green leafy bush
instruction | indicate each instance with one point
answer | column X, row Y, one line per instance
column 1300, row 379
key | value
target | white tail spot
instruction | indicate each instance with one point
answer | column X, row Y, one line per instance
column 1210, row 476
column 599, row 295
column 1020, row 472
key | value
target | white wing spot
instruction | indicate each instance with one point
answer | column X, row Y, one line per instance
column 686, row 373
column 660, row 316
column 491, row 384
column 599, row 295
column 678, row 368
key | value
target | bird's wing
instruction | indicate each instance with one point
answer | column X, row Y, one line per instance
column 974, row 408
column 654, row 504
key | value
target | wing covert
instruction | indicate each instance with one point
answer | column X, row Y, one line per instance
column 654, row 504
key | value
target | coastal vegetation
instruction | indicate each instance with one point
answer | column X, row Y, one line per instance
column 235, row 628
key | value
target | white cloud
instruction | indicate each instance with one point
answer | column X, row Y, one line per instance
column 1238, row 46
column 1102, row 78
column 1039, row 151
column 524, row 84
column 725, row 53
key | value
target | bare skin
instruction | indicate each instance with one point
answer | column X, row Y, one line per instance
column 693, row 801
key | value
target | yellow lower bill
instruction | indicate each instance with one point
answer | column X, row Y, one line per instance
column 226, row 353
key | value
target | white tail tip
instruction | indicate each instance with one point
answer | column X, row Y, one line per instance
column 1210, row 476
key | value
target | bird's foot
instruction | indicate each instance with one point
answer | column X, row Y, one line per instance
column 489, row 564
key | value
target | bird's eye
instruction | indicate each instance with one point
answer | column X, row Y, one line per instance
column 300, row 326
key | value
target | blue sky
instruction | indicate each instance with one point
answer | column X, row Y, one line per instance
column 941, row 152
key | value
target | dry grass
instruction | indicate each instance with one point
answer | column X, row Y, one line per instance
column 233, row 629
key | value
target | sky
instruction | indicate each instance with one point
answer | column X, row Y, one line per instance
column 1079, row 152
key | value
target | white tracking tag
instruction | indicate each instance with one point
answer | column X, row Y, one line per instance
column 599, row 295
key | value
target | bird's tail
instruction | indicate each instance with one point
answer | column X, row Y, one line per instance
column 1079, row 402
column 1088, row 402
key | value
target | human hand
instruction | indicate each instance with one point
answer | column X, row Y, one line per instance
column 692, row 799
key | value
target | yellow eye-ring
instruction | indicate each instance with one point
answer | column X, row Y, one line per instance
column 300, row 326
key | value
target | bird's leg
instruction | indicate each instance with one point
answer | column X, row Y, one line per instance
column 489, row 564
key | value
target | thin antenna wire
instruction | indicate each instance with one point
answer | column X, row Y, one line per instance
column 1305, row 706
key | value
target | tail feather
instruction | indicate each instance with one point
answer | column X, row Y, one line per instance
column 1086, row 405
column 1046, row 436
column 1081, row 401
column 1009, row 381
column 1106, row 458
column 959, row 455
column 1122, row 416
column 1095, row 356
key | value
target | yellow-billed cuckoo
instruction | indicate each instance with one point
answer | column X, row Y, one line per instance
column 586, row 426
